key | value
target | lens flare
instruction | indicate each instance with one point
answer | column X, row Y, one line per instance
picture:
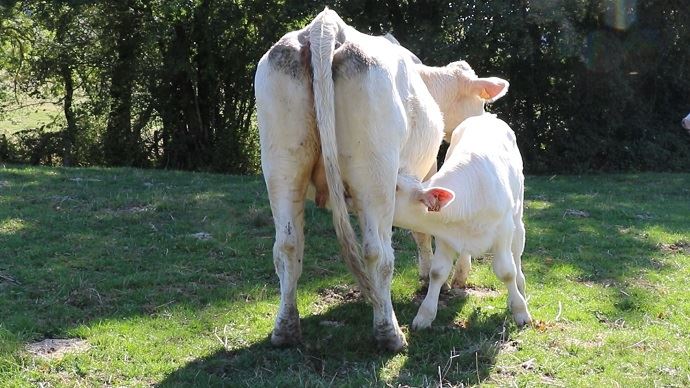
column 620, row 14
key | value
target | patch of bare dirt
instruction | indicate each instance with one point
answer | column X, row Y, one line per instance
column 476, row 291
column 336, row 295
column 681, row 246
column 448, row 294
column 52, row 348
column 510, row 346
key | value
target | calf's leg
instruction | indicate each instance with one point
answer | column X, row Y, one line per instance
column 423, row 242
column 441, row 264
column 424, row 253
column 518, row 246
column 462, row 271
column 505, row 270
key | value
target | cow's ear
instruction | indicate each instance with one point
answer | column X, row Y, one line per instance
column 436, row 198
column 490, row 89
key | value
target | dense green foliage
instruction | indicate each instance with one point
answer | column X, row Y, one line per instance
column 595, row 84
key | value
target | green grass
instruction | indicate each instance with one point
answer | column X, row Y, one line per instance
column 110, row 256
column 30, row 114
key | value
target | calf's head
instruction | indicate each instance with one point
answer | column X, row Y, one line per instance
column 413, row 201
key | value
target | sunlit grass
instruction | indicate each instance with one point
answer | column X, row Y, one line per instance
column 169, row 278
column 29, row 114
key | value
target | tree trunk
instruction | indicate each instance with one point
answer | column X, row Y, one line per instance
column 70, row 133
column 121, row 145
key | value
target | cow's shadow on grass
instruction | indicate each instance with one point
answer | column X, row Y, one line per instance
column 85, row 245
column 338, row 348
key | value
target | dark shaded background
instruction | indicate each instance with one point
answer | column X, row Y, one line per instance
column 596, row 85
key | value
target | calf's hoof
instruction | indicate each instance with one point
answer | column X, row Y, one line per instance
column 424, row 317
column 390, row 339
column 522, row 319
column 421, row 322
column 458, row 283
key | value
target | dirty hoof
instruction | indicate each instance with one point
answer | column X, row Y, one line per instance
column 284, row 339
column 522, row 319
column 390, row 339
column 287, row 331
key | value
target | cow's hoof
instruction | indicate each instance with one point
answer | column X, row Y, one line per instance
column 458, row 283
column 287, row 331
column 522, row 319
column 284, row 339
column 420, row 323
column 390, row 339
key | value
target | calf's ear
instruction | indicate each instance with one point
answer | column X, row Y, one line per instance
column 436, row 198
column 490, row 89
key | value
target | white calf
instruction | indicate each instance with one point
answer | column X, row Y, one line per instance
column 473, row 204
column 686, row 122
column 460, row 94
column 353, row 104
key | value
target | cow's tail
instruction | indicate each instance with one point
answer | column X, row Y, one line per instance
column 322, row 38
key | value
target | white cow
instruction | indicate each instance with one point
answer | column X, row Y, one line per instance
column 472, row 205
column 460, row 94
column 686, row 122
column 327, row 92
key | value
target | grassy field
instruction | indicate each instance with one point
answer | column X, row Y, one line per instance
column 30, row 114
column 166, row 278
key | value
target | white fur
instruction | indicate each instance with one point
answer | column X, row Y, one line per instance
column 484, row 170
column 457, row 91
column 686, row 122
column 460, row 95
column 370, row 126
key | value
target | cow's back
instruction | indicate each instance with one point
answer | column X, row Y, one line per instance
column 384, row 113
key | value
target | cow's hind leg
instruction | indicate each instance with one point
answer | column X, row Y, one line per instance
column 289, row 149
column 378, row 253
column 288, row 252
column 375, row 205
column 287, row 184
